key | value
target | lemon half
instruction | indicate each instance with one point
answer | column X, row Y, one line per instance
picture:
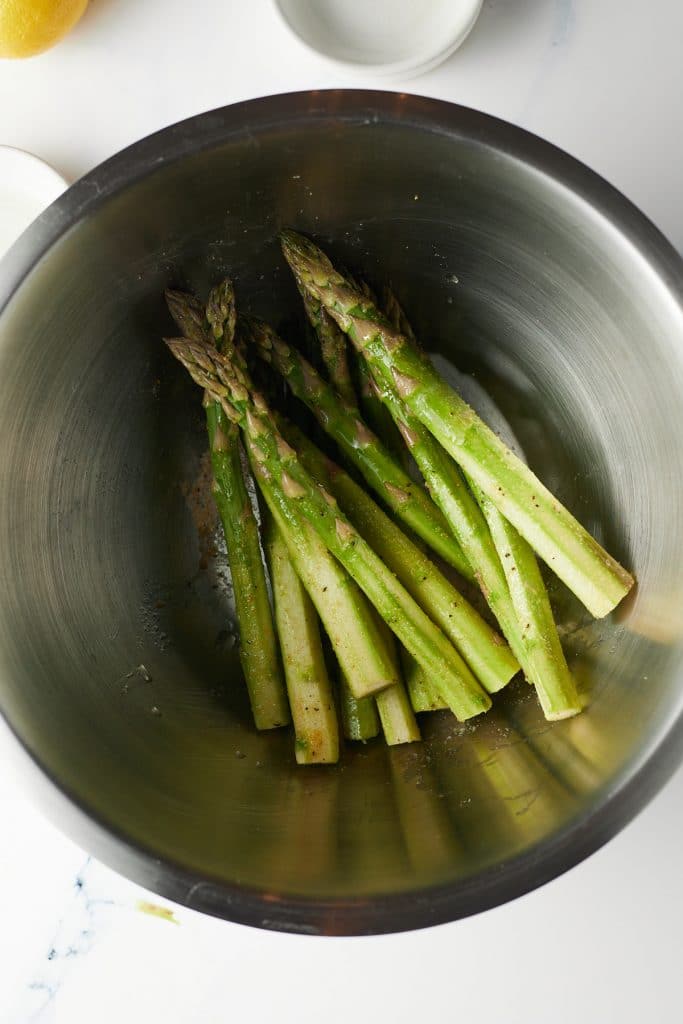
column 28, row 27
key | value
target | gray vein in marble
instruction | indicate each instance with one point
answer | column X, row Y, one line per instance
column 561, row 34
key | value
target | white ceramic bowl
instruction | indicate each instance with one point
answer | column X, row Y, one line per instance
column 27, row 187
column 390, row 39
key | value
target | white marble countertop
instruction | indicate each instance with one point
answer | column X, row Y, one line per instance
column 604, row 80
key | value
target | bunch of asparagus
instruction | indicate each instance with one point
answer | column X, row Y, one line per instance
column 368, row 571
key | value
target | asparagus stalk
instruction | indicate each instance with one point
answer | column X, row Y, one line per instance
column 373, row 408
column 462, row 514
column 364, row 658
column 396, row 714
column 542, row 656
column 423, row 696
column 376, row 414
column 396, row 315
column 360, row 446
column 333, row 348
column 527, row 616
column 310, row 695
column 362, row 647
column 279, row 465
column 395, row 711
column 258, row 651
column 585, row 567
column 359, row 715
column 485, row 652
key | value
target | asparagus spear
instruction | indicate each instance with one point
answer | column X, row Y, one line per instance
column 423, row 696
column 310, row 695
column 361, row 645
column 359, row 715
column 396, row 315
column 279, row 466
column 577, row 558
column 484, row 651
column 396, row 714
column 333, row 348
column 356, row 639
column 360, row 446
column 507, row 570
column 461, row 511
column 376, row 414
column 259, row 653
column 542, row 656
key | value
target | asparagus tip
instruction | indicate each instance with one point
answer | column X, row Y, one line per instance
column 221, row 309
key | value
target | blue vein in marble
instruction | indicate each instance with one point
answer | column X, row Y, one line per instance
column 74, row 937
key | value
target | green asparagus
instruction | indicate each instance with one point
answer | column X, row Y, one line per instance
column 310, row 695
column 485, row 652
column 542, row 656
column 333, row 348
column 347, row 616
column 359, row 715
column 280, row 466
column 462, row 514
column 363, row 647
column 586, row 568
column 506, row 566
column 381, row 422
column 395, row 711
column 360, row 446
column 259, row 652
column 423, row 696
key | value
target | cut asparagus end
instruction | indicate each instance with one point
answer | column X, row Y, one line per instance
column 359, row 716
column 310, row 694
column 399, row 724
column 423, row 695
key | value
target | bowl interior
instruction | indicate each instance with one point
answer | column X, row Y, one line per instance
column 118, row 663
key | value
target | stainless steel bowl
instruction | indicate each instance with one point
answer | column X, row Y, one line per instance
column 118, row 671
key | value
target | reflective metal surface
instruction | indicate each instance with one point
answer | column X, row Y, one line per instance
column 118, row 671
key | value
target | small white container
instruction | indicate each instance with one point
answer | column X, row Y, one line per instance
column 27, row 187
column 390, row 39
